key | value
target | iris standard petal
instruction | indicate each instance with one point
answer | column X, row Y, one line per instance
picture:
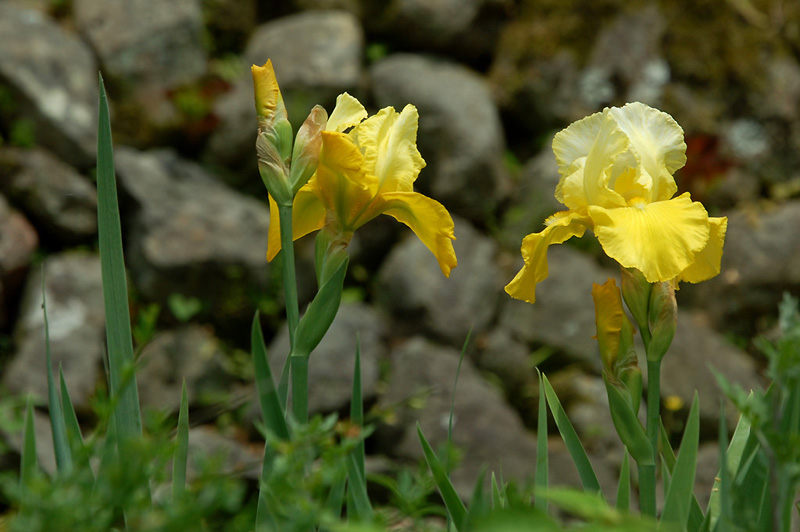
column 429, row 220
column 657, row 142
column 707, row 262
column 561, row 227
column 576, row 140
column 308, row 215
column 659, row 239
column 347, row 113
column 389, row 143
column 586, row 180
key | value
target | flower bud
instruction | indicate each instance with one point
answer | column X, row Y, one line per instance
column 636, row 292
column 663, row 317
column 615, row 338
column 305, row 156
column 274, row 142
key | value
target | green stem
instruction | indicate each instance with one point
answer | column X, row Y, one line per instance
column 300, row 388
column 290, row 292
column 647, row 485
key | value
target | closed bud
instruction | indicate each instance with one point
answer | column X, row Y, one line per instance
column 636, row 293
column 305, row 156
column 663, row 317
column 615, row 338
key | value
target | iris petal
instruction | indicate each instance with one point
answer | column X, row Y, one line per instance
column 707, row 262
column 429, row 220
column 388, row 141
column 657, row 142
column 659, row 239
column 561, row 228
column 347, row 113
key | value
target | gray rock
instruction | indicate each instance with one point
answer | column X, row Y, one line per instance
column 145, row 42
column 53, row 77
column 316, row 56
column 467, row 29
column 312, row 49
column 190, row 234
column 411, row 287
column 687, row 367
column 563, row 315
column 760, row 261
column 511, row 361
column 485, row 429
column 75, row 314
column 18, row 241
column 237, row 458
column 628, row 52
column 330, row 373
column 62, row 202
column 460, row 135
column 192, row 354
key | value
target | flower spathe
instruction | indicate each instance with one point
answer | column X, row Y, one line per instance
column 617, row 180
column 367, row 166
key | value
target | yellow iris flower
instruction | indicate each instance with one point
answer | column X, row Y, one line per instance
column 367, row 167
column 617, row 180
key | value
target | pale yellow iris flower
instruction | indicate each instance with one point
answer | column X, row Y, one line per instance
column 367, row 166
column 617, row 180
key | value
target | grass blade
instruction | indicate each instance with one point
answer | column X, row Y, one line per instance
column 271, row 409
column 357, row 418
column 181, row 456
column 452, row 502
column 573, row 443
column 542, row 478
column 29, row 464
column 498, row 501
column 61, row 446
column 115, row 286
column 478, row 506
column 74, row 433
column 678, row 500
column 358, row 490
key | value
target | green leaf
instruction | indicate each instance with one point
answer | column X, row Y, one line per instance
column 357, row 418
column 271, row 409
column 74, row 433
column 629, row 428
column 624, row 485
column 320, row 312
column 679, row 495
column 447, row 464
column 181, row 456
column 696, row 517
column 452, row 502
column 478, row 506
column 498, row 500
column 61, row 445
column 570, row 437
column 29, row 464
column 358, row 490
column 121, row 362
column 541, row 480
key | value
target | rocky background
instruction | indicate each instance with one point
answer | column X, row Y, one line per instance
column 493, row 81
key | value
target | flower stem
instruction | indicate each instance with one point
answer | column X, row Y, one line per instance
column 647, row 484
column 299, row 365
column 290, row 293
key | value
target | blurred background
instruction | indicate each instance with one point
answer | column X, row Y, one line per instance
column 493, row 81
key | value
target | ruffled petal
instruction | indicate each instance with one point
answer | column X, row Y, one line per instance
column 657, row 143
column 347, row 113
column 389, row 143
column 659, row 239
column 707, row 262
column 341, row 181
column 429, row 220
column 561, row 227
column 308, row 215
column 585, row 181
